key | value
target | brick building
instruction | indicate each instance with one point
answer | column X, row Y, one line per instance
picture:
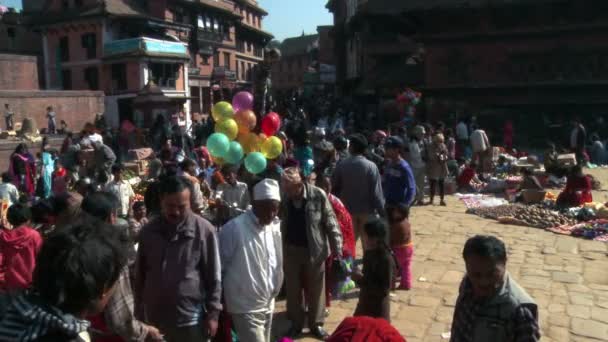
column 187, row 48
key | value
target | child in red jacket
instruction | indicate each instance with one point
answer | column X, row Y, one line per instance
column 19, row 246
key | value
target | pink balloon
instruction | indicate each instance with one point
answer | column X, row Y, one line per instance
column 243, row 100
column 271, row 123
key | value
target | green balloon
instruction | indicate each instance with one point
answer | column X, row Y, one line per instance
column 218, row 145
column 222, row 110
column 235, row 153
column 255, row 163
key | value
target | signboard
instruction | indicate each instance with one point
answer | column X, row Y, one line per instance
column 143, row 44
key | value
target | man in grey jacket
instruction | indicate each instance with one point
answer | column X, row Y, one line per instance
column 309, row 229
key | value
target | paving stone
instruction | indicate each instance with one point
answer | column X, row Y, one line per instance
column 598, row 287
column 599, row 314
column 592, row 246
column 565, row 277
column 427, row 302
column 578, row 311
column 450, row 300
column 417, row 314
column 585, row 299
column 567, row 246
column 559, row 319
column 594, row 255
column 552, row 268
column 556, row 308
column 549, row 250
column 559, row 334
column 452, row 277
column 577, row 288
column 531, row 271
column 589, row 328
column 444, row 315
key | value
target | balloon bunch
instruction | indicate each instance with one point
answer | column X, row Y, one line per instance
column 409, row 99
column 234, row 138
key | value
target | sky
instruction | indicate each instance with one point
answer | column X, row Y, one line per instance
column 287, row 18
column 11, row 3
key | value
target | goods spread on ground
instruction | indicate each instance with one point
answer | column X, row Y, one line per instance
column 524, row 215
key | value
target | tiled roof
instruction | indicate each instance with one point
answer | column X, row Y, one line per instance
column 255, row 29
column 253, row 4
column 123, row 8
column 119, row 8
column 298, row 45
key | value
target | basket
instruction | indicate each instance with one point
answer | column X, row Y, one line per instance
column 533, row 196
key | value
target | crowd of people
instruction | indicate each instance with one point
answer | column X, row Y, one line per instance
column 207, row 248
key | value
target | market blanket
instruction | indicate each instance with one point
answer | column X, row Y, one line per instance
column 592, row 230
column 472, row 201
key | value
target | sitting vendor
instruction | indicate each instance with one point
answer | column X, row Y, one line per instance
column 503, row 165
column 468, row 181
column 529, row 182
column 577, row 191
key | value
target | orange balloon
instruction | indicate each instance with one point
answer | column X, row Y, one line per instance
column 250, row 142
column 246, row 120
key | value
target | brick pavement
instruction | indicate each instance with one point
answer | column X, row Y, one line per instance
column 567, row 277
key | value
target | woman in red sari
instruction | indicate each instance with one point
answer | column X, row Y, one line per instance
column 23, row 170
column 346, row 227
column 577, row 191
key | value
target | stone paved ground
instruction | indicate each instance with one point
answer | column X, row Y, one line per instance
column 568, row 277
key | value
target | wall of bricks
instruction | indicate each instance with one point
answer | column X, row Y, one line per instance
column 75, row 107
column 18, row 72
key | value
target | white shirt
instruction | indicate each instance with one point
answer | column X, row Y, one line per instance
column 252, row 264
column 462, row 132
column 9, row 193
column 123, row 192
column 415, row 155
column 479, row 141
column 237, row 194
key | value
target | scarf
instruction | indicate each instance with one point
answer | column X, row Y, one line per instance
column 25, row 320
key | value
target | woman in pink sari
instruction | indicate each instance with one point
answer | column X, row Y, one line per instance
column 22, row 169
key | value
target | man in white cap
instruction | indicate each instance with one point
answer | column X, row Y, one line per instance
column 252, row 263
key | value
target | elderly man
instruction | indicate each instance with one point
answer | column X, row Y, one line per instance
column 308, row 224
column 178, row 273
column 104, row 157
column 252, row 263
column 491, row 305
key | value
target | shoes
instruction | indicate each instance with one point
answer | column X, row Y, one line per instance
column 319, row 333
column 294, row 333
column 326, row 313
column 442, row 203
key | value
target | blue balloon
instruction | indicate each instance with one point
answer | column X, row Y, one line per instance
column 218, row 145
column 235, row 153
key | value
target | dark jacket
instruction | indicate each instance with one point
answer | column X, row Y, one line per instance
column 178, row 272
column 322, row 228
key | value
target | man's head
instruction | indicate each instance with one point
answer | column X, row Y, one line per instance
column 485, row 258
column 358, row 144
column 266, row 200
column 6, row 105
column 6, row 177
column 376, row 231
column 174, row 199
column 49, row 108
column 78, row 266
column 230, row 174
column 393, row 147
column 189, row 166
column 139, row 210
column 18, row 215
column 102, row 206
column 324, row 183
column 292, row 183
column 117, row 171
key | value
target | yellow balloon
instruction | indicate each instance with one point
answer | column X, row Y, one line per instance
column 222, row 111
column 250, row 142
column 227, row 127
column 272, row 147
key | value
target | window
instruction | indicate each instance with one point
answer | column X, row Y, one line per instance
column 227, row 60
column 89, row 42
column 205, row 60
column 164, row 74
column 66, row 79
column 64, row 49
column 119, row 76
column 248, row 17
column 237, row 70
column 240, row 46
column 91, row 76
column 216, row 58
column 243, row 71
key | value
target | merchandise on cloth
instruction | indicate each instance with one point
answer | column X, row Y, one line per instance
column 593, row 230
column 525, row 215
column 480, row 201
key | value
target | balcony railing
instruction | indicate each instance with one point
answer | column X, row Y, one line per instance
column 144, row 45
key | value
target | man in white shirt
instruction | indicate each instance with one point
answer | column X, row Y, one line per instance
column 8, row 117
column 482, row 150
column 252, row 263
column 122, row 190
column 462, row 136
column 417, row 163
column 8, row 191
column 233, row 195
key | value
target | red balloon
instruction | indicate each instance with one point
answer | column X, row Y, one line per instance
column 271, row 124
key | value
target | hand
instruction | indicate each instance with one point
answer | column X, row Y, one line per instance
column 154, row 334
column 211, row 327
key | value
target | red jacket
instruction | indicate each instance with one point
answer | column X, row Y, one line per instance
column 18, row 250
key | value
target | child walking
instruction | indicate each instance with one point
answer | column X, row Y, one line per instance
column 401, row 242
column 377, row 277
